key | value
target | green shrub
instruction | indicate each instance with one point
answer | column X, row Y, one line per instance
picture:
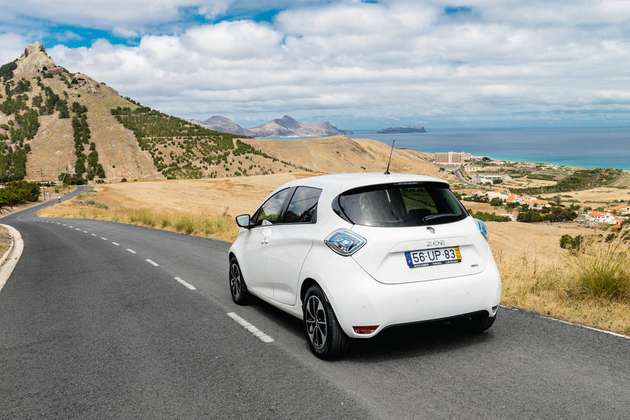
column 571, row 243
column 490, row 217
column 18, row 192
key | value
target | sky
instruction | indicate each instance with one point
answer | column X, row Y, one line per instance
column 359, row 64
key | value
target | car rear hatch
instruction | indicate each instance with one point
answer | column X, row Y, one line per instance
column 383, row 256
column 399, row 218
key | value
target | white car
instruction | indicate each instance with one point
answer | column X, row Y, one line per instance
column 353, row 254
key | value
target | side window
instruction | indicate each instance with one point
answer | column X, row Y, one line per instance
column 303, row 206
column 271, row 210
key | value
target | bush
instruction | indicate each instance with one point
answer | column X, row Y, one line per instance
column 6, row 70
column 603, row 270
column 19, row 192
column 571, row 243
column 491, row 217
column 547, row 214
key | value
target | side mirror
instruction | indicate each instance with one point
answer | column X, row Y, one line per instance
column 243, row 221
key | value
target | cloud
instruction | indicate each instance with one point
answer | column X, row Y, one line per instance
column 124, row 32
column 355, row 59
column 11, row 46
column 139, row 14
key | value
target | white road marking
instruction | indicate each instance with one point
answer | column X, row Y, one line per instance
column 70, row 226
column 85, row 231
column 185, row 284
column 249, row 327
column 103, row 238
column 116, row 243
column 77, row 229
column 150, row 261
column 93, row 234
column 131, row 250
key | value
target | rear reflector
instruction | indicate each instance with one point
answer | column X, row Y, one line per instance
column 365, row 329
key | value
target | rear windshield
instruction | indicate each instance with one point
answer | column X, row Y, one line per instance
column 402, row 204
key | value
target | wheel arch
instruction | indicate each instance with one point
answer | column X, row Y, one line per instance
column 308, row 282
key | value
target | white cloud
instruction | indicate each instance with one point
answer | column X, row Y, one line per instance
column 11, row 46
column 124, row 32
column 396, row 58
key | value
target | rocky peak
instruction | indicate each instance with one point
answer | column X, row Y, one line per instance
column 288, row 122
column 35, row 61
column 34, row 48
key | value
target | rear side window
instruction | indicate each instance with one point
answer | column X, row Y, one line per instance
column 271, row 210
column 303, row 206
column 396, row 205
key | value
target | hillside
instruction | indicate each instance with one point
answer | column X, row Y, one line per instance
column 58, row 125
column 344, row 154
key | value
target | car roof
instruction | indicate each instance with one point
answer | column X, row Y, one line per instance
column 338, row 183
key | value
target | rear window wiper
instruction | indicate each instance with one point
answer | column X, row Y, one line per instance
column 430, row 217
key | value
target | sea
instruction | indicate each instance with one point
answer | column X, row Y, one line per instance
column 580, row 147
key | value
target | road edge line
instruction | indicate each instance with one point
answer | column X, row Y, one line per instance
column 10, row 258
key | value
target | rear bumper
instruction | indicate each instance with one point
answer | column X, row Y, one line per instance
column 360, row 300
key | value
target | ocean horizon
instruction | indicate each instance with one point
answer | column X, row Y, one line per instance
column 579, row 147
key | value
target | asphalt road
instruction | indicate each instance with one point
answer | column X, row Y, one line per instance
column 91, row 329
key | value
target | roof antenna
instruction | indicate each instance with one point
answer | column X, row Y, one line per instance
column 390, row 157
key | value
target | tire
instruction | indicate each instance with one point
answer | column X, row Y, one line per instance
column 236, row 283
column 477, row 324
column 323, row 333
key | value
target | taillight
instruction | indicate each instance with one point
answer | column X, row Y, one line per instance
column 365, row 329
column 345, row 242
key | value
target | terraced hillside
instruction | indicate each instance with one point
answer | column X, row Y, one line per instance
column 181, row 149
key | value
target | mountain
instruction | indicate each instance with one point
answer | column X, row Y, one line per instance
column 59, row 125
column 290, row 127
column 226, row 125
column 281, row 127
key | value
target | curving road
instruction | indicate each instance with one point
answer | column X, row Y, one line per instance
column 104, row 320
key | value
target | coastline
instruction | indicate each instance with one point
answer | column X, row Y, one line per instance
column 586, row 148
column 565, row 163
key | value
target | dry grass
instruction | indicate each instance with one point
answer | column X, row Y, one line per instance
column 84, row 206
column 525, row 182
column 195, row 207
column 596, row 197
column 485, row 207
column 590, row 287
column 344, row 154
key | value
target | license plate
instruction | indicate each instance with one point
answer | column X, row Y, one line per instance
column 435, row 256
